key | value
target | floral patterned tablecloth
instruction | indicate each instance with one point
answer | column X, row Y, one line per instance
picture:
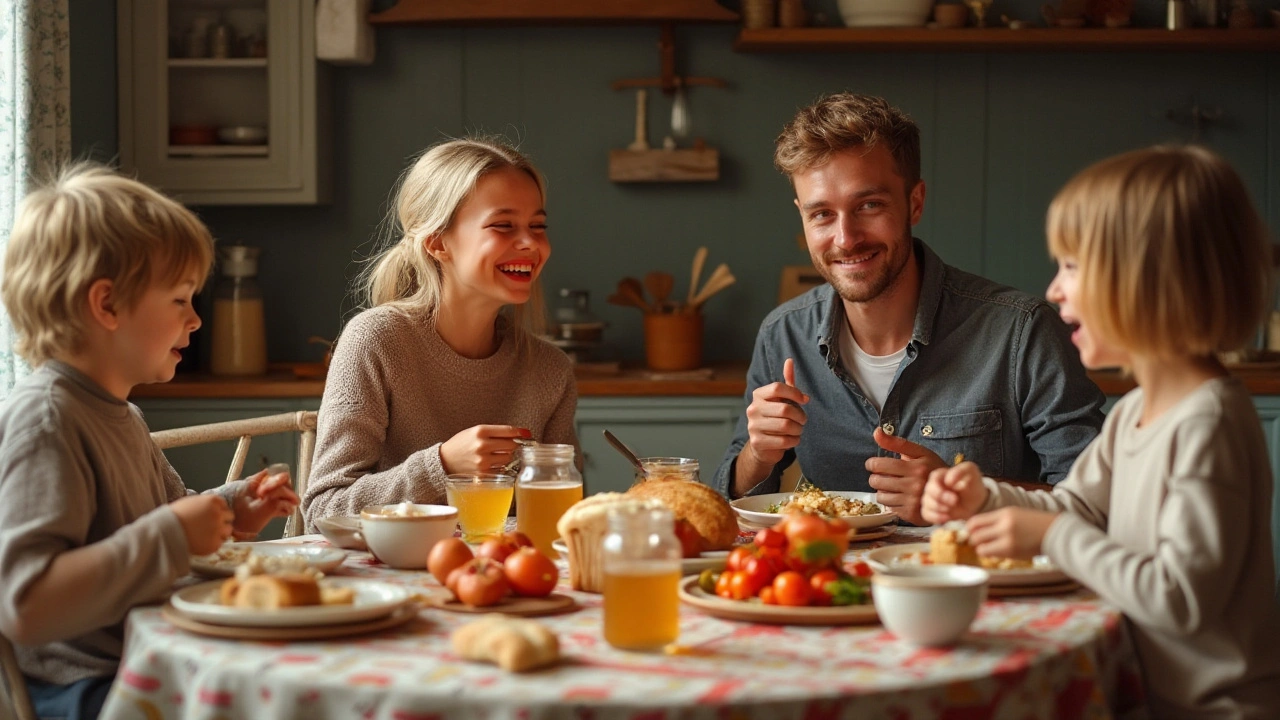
column 1063, row 656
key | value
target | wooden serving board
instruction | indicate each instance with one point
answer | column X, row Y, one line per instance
column 398, row 617
column 1058, row 588
column 553, row 604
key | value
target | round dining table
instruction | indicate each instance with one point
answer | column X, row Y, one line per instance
column 1059, row 656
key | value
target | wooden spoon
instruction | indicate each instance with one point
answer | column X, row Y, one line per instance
column 659, row 285
column 699, row 259
column 719, row 280
column 631, row 287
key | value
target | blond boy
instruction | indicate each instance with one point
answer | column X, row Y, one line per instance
column 98, row 280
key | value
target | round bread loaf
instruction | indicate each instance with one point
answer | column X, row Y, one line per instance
column 699, row 505
column 268, row 592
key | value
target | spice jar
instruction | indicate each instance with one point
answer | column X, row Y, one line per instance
column 641, row 576
column 239, row 325
column 549, row 483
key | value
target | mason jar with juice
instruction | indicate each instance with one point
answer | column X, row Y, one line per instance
column 641, row 576
column 549, row 484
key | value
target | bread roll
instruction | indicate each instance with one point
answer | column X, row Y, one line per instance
column 704, row 508
column 513, row 644
column 949, row 545
column 270, row 592
column 583, row 527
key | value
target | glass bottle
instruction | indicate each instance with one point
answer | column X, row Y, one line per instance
column 549, row 483
column 641, row 575
column 239, row 327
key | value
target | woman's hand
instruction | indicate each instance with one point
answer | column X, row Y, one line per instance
column 206, row 521
column 953, row 493
column 1010, row 532
column 263, row 498
column 481, row 449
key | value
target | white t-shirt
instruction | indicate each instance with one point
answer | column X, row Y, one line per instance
column 873, row 373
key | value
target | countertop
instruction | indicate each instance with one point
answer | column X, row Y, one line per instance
column 720, row 380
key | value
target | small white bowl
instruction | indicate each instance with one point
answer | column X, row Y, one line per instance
column 930, row 605
column 885, row 13
column 242, row 135
column 342, row 531
column 403, row 541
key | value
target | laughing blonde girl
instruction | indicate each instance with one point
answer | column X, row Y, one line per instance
column 434, row 377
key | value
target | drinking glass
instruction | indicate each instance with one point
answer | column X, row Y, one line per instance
column 483, row 502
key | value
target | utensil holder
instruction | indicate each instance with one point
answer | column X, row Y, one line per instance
column 673, row 341
column 759, row 13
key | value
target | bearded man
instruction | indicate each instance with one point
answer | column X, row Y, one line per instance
column 900, row 364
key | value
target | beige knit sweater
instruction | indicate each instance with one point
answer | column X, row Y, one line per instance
column 396, row 391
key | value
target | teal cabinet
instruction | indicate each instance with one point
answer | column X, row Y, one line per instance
column 205, row 466
column 693, row 427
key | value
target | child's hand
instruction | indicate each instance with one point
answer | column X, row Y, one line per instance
column 263, row 498
column 953, row 493
column 481, row 449
column 206, row 521
column 1010, row 532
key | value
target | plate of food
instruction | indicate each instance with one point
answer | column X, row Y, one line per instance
column 858, row 509
column 756, row 611
column 709, row 560
column 1003, row 571
column 272, row 557
column 288, row 600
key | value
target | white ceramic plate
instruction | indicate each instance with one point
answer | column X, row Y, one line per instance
column 710, row 560
column 373, row 600
column 342, row 531
column 1042, row 571
column 224, row 562
column 755, row 509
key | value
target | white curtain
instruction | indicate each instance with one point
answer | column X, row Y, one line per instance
column 35, row 121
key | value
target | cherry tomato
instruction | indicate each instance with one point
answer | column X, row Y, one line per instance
column 519, row 538
column 859, row 569
column 743, row 586
column 775, row 558
column 760, row 572
column 818, row 594
column 770, row 538
column 480, row 583
column 497, row 548
column 791, row 588
column 738, row 557
column 530, row 573
column 446, row 555
column 766, row 595
column 815, row 540
column 722, row 585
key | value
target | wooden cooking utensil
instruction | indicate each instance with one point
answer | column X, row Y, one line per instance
column 631, row 287
column 719, row 280
column 699, row 259
column 627, row 300
column 659, row 285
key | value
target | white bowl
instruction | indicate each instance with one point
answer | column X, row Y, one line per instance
column 403, row 541
column 885, row 13
column 242, row 135
column 931, row 605
column 342, row 531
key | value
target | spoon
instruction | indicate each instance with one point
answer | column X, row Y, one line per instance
column 626, row 452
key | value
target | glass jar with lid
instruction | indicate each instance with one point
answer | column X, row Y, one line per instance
column 641, row 577
column 549, row 483
column 239, row 325
column 668, row 468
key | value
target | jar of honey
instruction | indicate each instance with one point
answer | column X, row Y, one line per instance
column 641, row 577
column 239, row 326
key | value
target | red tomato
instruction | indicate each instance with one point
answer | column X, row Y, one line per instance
column 770, row 538
column 766, row 595
column 446, row 555
column 480, row 583
column 775, row 558
column 818, row 594
column 791, row 588
column 760, row 572
column 530, row 573
column 722, row 585
column 743, row 587
column 859, row 569
column 738, row 558
column 498, row 548
column 814, row 540
column 519, row 538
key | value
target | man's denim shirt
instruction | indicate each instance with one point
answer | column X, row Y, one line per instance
column 989, row 372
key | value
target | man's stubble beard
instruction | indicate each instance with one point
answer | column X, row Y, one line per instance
column 861, row 292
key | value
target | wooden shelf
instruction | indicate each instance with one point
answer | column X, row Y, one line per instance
column 217, row 63
column 218, row 150
column 1004, row 39
column 498, row 12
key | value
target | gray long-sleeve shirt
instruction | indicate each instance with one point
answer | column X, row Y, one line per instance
column 78, row 467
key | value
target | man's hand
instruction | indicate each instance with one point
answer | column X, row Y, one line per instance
column 263, row 498
column 1010, row 532
column 775, row 420
column 206, row 521
column 899, row 482
column 953, row 493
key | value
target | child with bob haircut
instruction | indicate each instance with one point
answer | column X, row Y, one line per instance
column 433, row 378
column 1163, row 262
column 98, row 279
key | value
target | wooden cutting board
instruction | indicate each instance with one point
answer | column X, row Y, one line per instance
column 797, row 280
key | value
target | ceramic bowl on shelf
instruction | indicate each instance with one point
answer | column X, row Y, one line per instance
column 242, row 135
column 193, row 135
column 929, row 605
column 885, row 13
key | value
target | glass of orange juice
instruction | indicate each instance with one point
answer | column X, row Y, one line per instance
column 483, row 502
column 549, row 484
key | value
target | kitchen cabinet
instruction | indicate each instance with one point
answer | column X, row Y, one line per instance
column 205, row 466
column 223, row 103
column 824, row 39
column 694, row 427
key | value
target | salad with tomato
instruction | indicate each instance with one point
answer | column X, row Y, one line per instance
column 797, row 562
